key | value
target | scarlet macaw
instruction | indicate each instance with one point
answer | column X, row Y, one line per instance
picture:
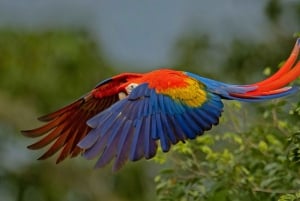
column 125, row 116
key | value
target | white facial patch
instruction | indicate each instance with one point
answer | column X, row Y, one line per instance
column 130, row 87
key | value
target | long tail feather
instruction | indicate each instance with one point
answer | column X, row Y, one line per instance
column 285, row 67
column 279, row 82
column 273, row 87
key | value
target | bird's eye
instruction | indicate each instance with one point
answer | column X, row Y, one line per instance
column 130, row 87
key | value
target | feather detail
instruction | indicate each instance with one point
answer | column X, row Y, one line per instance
column 128, row 116
column 66, row 127
column 129, row 129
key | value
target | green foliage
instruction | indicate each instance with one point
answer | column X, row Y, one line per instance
column 190, row 50
column 246, row 59
column 245, row 163
column 44, row 65
column 273, row 10
column 39, row 72
column 297, row 9
column 290, row 197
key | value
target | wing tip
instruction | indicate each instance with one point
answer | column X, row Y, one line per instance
column 34, row 146
column 44, row 118
column 31, row 133
column 43, row 157
column 26, row 133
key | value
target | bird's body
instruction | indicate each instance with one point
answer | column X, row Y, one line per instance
column 125, row 116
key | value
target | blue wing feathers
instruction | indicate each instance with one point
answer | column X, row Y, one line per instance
column 89, row 140
column 161, row 134
column 170, row 109
column 146, row 111
column 140, row 110
column 136, row 148
column 153, row 133
column 186, row 129
column 154, row 100
column 168, row 128
column 105, row 125
column 173, row 134
column 179, row 108
column 190, row 121
column 95, row 133
column 130, row 128
column 123, row 146
column 136, row 107
column 111, row 146
column 167, row 124
column 128, row 108
column 162, row 104
column 203, row 121
column 146, row 136
column 124, row 139
column 104, row 131
column 116, row 129
column 209, row 118
column 177, row 129
column 134, row 145
column 97, row 148
column 212, row 114
column 198, row 121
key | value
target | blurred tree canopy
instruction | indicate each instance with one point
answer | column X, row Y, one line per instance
column 253, row 155
column 50, row 64
column 250, row 160
column 40, row 71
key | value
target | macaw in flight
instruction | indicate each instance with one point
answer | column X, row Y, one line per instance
column 124, row 117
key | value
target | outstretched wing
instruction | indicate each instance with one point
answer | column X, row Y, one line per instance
column 131, row 128
column 67, row 126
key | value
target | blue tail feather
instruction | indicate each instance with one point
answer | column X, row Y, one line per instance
column 231, row 92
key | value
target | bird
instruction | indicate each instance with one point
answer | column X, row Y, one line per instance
column 128, row 116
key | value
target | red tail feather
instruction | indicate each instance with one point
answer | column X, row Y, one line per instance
column 286, row 74
column 286, row 66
